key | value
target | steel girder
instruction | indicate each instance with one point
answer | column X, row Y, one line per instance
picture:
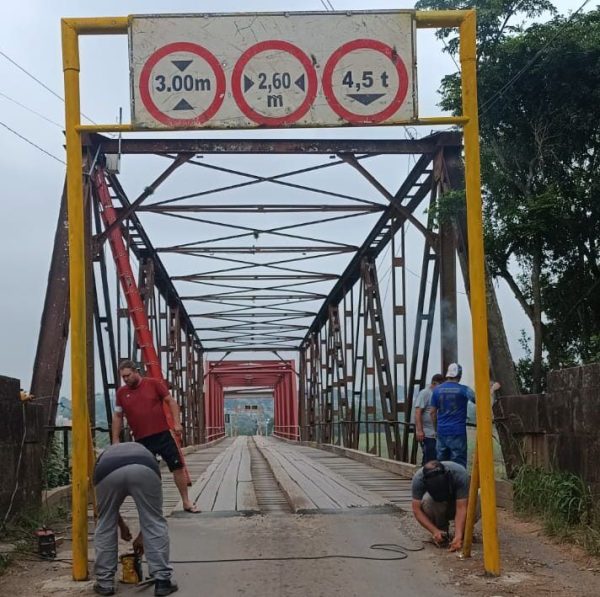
column 340, row 372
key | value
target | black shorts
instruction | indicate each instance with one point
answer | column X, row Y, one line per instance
column 162, row 444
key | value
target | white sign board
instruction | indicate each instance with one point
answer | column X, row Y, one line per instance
column 272, row 70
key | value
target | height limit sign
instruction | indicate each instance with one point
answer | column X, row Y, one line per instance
column 273, row 70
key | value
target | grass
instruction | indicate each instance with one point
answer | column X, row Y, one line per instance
column 564, row 503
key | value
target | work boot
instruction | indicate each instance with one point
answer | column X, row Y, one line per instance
column 164, row 587
column 100, row 590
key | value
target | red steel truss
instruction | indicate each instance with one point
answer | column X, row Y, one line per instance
column 280, row 376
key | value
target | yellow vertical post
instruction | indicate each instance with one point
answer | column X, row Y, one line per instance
column 77, row 297
column 468, row 63
column 472, row 507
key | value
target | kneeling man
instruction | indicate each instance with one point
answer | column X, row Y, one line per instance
column 440, row 491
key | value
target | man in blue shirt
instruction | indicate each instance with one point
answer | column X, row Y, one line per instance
column 449, row 414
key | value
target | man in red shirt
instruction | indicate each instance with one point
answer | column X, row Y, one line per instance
column 141, row 401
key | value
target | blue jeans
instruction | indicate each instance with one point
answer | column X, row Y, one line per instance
column 452, row 447
column 428, row 446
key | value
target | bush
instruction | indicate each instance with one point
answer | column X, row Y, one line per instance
column 55, row 473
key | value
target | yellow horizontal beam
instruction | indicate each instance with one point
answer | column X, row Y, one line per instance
column 129, row 128
column 435, row 19
column 106, row 128
column 443, row 120
column 119, row 25
column 98, row 25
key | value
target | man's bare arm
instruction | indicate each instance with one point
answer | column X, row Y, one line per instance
column 433, row 414
column 124, row 528
column 423, row 520
column 117, row 423
column 459, row 525
column 175, row 412
column 419, row 424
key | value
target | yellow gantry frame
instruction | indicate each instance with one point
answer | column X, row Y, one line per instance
column 483, row 470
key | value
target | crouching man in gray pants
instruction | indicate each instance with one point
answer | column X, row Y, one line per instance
column 122, row 470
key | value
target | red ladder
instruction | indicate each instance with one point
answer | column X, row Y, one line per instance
column 135, row 305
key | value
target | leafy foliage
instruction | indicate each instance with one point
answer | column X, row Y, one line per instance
column 496, row 19
column 539, row 91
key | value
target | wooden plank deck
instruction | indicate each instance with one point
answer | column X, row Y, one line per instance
column 197, row 463
column 226, row 485
column 308, row 484
column 394, row 488
column 311, row 479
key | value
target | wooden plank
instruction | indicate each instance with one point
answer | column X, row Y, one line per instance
column 206, row 499
column 226, row 497
column 245, row 472
column 246, row 497
column 199, row 487
column 298, row 500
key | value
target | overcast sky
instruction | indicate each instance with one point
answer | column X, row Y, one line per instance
column 32, row 181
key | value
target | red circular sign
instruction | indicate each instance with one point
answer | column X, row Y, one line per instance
column 219, row 84
column 311, row 88
column 365, row 44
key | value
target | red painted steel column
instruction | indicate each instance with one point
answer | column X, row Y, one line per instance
column 294, row 401
column 209, row 407
column 276, row 411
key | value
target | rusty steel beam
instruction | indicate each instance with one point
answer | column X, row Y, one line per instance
column 54, row 327
column 250, row 349
column 242, row 277
column 447, row 261
column 425, row 316
column 337, row 364
column 379, row 236
column 201, row 250
column 385, row 384
column 426, row 145
column 255, row 207
column 126, row 212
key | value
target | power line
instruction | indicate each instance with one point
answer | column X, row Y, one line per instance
column 18, row 103
column 31, row 76
column 498, row 95
column 31, row 143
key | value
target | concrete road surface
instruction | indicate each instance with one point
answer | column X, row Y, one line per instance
column 285, row 535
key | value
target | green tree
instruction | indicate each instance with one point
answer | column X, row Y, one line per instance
column 539, row 98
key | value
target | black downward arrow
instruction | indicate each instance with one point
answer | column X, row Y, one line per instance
column 181, row 64
column 183, row 105
column 300, row 82
column 365, row 98
column 248, row 83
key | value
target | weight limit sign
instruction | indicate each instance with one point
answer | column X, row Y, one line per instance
column 274, row 83
column 365, row 82
column 182, row 85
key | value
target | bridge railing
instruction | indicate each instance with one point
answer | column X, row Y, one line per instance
column 213, row 433
column 287, row 431
column 370, row 436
